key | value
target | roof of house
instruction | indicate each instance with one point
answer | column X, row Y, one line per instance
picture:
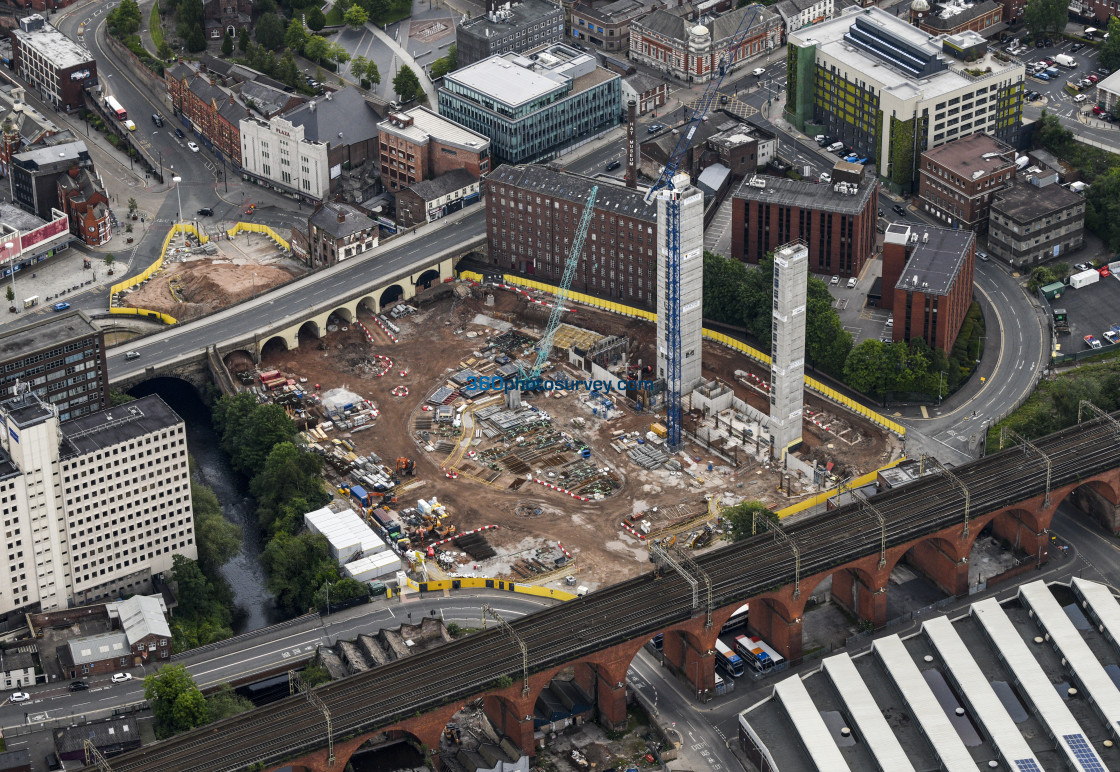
column 61, row 50
column 45, row 333
column 34, row 157
column 1026, row 203
column 141, row 616
column 642, row 83
column 111, row 731
column 677, row 28
column 936, row 258
column 974, row 153
column 575, row 188
column 326, row 218
column 952, row 15
column 97, row 648
column 83, row 182
column 267, row 100
column 456, row 179
column 611, row 13
column 520, row 14
column 18, row 218
column 426, row 124
column 809, row 195
column 18, row 759
column 339, row 118
column 115, row 425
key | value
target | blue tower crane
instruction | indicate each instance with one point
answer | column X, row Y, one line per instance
column 673, row 233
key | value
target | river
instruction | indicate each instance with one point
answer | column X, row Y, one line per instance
column 254, row 603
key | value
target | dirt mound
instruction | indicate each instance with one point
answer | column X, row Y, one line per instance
column 189, row 290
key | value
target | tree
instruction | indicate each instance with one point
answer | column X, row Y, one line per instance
column 249, row 431
column 358, row 67
column 1052, row 135
column 10, row 294
column 287, row 70
column 868, row 367
column 341, row 592
column 196, row 41
column 1042, row 16
column 226, row 703
column 296, row 35
column 124, row 20
column 315, row 19
column 744, row 518
column 355, row 17
column 1110, row 49
column 227, row 45
column 406, row 85
column 204, row 614
column 218, row 539
column 296, row 566
column 189, row 17
column 290, row 479
column 446, row 64
column 1102, row 207
column 132, row 206
column 109, row 260
column 314, row 674
column 316, row 48
column 270, row 31
column 372, row 74
column 119, row 398
column 336, row 53
column 177, row 704
column 243, row 40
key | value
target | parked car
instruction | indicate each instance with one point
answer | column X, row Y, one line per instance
column 1049, row 42
column 890, row 322
column 120, row 678
column 899, row 210
column 1042, row 76
column 758, row 71
column 982, row 255
column 825, row 177
column 835, row 280
column 1111, row 336
column 20, row 697
column 60, row 306
column 1090, row 341
column 1080, row 98
column 654, row 128
column 613, row 165
column 1104, row 71
column 157, row 119
column 179, row 133
column 1098, row 110
column 1092, row 78
column 1081, row 266
column 1076, row 47
column 852, row 283
column 193, row 147
column 78, row 686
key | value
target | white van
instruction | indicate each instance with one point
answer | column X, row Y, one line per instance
column 1065, row 60
column 835, row 147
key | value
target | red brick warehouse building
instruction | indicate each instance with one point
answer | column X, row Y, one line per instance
column 419, row 144
column 957, row 180
column 211, row 111
column 927, row 281
column 836, row 220
column 532, row 214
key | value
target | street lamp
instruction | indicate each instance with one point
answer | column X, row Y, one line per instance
column 177, row 179
column 940, row 378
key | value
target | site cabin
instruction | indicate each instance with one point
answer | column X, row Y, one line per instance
column 728, row 660
column 1084, row 278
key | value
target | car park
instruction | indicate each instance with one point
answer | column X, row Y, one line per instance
column 835, row 280
column 613, row 165
column 60, row 306
column 20, row 697
column 78, row 686
column 120, row 678
column 193, row 147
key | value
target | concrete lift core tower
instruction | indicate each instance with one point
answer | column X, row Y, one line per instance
column 685, row 204
column 787, row 347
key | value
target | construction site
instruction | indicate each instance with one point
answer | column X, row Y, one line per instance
column 196, row 280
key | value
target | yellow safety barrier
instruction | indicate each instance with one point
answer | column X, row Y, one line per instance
column 471, row 276
column 165, row 318
column 723, row 339
column 492, row 584
column 148, row 272
column 824, row 496
column 253, row 227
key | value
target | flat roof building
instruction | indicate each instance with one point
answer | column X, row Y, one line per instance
column 35, row 174
column 509, row 28
column 532, row 105
column 608, row 26
column 891, row 91
column 420, row 144
column 61, row 358
column 618, row 260
column 55, row 67
column 836, row 221
column 1031, row 224
column 927, row 281
column 958, row 179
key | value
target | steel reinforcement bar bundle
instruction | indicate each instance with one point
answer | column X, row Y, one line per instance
column 636, row 608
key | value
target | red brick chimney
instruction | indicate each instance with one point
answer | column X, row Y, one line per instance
column 341, row 216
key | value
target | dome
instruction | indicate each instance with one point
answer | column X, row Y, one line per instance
column 919, row 6
column 700, row 30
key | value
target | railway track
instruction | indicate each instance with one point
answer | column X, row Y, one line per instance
column 635, row 608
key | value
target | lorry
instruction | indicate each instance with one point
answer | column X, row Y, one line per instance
column 1065, row 60
column 1084, row 278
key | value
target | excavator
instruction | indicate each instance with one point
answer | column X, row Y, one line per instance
column 406, row 466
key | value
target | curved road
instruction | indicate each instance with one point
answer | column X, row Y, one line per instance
column 186, row 340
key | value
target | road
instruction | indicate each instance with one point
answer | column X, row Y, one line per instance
column 265, row 650
column 297, row 299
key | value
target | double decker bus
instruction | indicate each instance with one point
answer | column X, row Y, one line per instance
column 731, row 662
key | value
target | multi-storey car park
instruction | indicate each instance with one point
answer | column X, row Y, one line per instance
column 890, row 91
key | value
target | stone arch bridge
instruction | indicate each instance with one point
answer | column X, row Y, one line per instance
column 931, row 524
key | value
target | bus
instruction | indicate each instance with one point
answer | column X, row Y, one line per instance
column 738, row 619
column 115, row 108
column 728, row 660
column 761, row 657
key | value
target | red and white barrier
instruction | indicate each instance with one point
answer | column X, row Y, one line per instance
column 764, row 385
column 812, row 419
column 626, row 525
column 385, row 329
column 554, row 487
column 532, row 299
column 566, row 553
column 400, row 391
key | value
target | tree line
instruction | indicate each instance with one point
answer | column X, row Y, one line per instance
column 286, row 480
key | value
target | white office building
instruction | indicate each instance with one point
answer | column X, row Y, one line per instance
column 279, row 152
column 92, row 509
column 787, row 346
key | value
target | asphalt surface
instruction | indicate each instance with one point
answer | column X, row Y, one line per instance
column 261, row 316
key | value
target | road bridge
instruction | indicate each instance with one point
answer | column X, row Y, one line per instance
column 353, row 289
column 930, row 523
